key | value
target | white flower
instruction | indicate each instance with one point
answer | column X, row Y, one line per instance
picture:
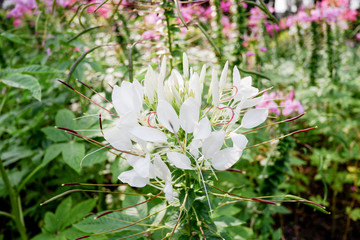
column 165, row 123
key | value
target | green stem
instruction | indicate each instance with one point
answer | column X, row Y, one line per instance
column 15, row 203
column 167, row 13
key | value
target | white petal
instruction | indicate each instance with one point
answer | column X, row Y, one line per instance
column 126, row 99
column 213, row 143
column 203, row 129
column 239, row 141
column 179, row 160
column 225, row 158
column 148, row 134
column 167, row 116
column 194, row 148
column 142, row 166
column 189, row 115
column 252, row 102
column 161, row 78
column 236, row 77
column 224, row 76
column 168, row 190
column 185, row 66
column 150, row 84
column 195, row 87
column 161, row 170
column 133, row 179
column 246, row 81
column 118, row 138
column 116, row 98
column 254, row 117
column 214, row 88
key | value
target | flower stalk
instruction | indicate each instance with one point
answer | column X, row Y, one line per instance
column 15, row 202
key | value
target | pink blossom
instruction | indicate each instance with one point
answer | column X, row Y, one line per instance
column 17, row 23
column 152, row 18
column 349, row 15
column 150, row 35
column 357, row 36
column 271, row 28
column 290, row 105
column 263, row 49
column 22, row 7
column 48, row 52
column 225, row 6
column 249, row 54
column 227, row 26
column 269, row 103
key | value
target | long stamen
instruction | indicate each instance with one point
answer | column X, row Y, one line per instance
column 271, row 124
column 292, row 133
column 117, row 210
column 87, row 98
column 100, row 123
column 148, row 120
column 94, row 141
column 263, row 91
column 93, row 91
column 232, row 96
column 232, row 116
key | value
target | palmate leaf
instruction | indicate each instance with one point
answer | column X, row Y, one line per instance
column 24, row 81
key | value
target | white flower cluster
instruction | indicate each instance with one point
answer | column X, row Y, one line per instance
column 164, row 123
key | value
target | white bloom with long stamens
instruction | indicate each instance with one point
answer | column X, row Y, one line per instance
column 164, row 123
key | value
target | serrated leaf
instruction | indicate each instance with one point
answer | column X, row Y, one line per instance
column 72, row 153
column 65, row 118
column 55, row 135
column 51, row 153
column 13, row 38
column 24, row 81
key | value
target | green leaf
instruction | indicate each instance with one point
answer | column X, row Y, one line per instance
column 355, row 214
column 13, row 38
column 52, row 152
column 24, row 81
column 65, row 118
column 32, row 69
column 108, row 222
column 63, row 213
column 73, row 153
column 97, row 155
column 78, row 212
column 52, row 224
column 55, row 135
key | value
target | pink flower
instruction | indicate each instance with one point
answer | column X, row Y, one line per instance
column 48, row 51
column 152, row 18
column 249, row 54
column 17, row 23
column 225, row 6
column 263, row 49
column 269, row 103
column 271, row 28
column 357, row 36
column 349, row 15
column 150, row 35
column 22, row 7
column 290, row 105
